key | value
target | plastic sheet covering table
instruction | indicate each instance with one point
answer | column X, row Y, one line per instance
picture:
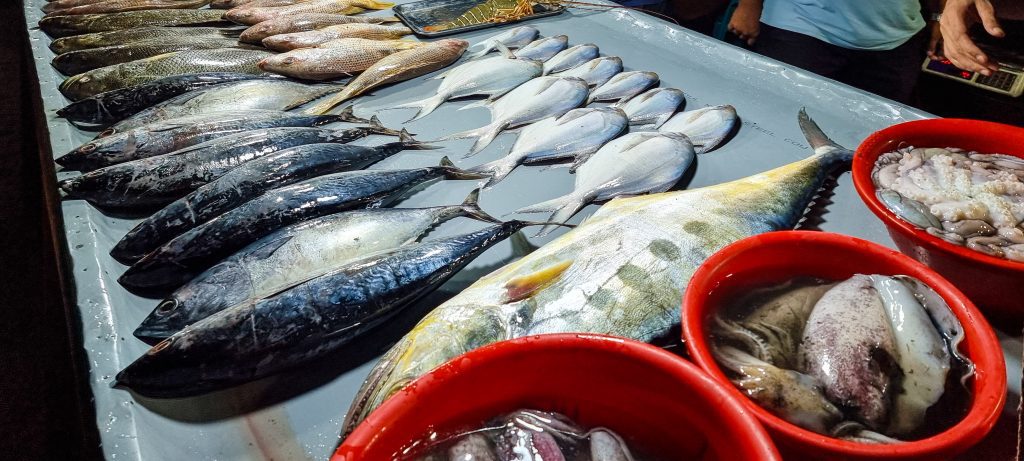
column 297, row 415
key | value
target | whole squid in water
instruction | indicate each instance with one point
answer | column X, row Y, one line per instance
column 621, row 272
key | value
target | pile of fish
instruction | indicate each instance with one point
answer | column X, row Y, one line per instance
column 965, row 198
column 863, row 359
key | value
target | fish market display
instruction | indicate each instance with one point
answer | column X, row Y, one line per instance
column 527, row 434
column 293, row 255
column 706, row 127
column 398, row 67
column 307, row 321
column 163, row 65
column 963, row 197
column 635, row 164
column 543, row 49
column 652, row 108
column 184, row 257
column 128, row 36
column 863, row 359
column 634, row 255
column 249, row 181
column 335, row 58
column 62, row 26
column 118, row 6
column 571, row 57
column 76, row 62
column 163, row 179
column 178, row 133
column 534, row 100
column 491, row 77
column 262, row 94
column 577, row 134
column 623, row 86
column 515, row 37
column 50, row 7
column 296, row 40
column 596, row 71
column 253, row 15
column 304, row 22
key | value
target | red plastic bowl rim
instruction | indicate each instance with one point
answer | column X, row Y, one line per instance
column 979, row 416
column 865, row 156
column 733, row 409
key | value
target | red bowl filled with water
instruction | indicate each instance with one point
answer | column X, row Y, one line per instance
column 992, row 283
column 659, row 403
column 777, row 257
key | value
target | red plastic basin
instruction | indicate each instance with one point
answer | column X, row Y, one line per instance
column 779, row 256
column 994, row 284
column 660, row 403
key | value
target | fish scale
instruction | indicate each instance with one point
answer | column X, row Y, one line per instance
column 76, row 62
column 335, row 58
column 118, row 6
column 62, row 26
column 304, row 22
column 313, row 38
column 252, row 15
column 127, row 36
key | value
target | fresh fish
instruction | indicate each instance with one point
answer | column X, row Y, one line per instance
column 120, row 6
column 623, row 86
column 577, row 134
column 654, row 107
column 160, row 180
column 178, row 133
column 62, row 26
column 57, row 5
column 303, row 23
column 621, row 272
column 513, row 38
column 293, row 255
column 397, row 67
column 188, row 254
column 76, row 62
column 126, row 36
column 571, row 57
column 597, row 71
column 706, row 127
column 534, row 100
column 635, row 164
column 307, row 321
column 296, row 40
column 113, row 106
column 232, row 4
column 491, row 77
column 543, row 49
column 254, row 15
column 160, row 66
column 335, row 58
column 262, row 94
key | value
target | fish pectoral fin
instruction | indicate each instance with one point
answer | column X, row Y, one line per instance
column 526, row 286
column 269, row 248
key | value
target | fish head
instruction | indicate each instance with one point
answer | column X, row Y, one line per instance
column 453, row 44
column 287, row 42
column 258, row 32
column 193, row 302
column 283, row 62
column 84, row 85
column 241, row 14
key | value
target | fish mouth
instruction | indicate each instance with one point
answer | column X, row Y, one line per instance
column 152, row 334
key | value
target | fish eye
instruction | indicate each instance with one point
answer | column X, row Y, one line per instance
column 167, row 306
column 88, row 147
column 107, row 132
column 289, row 60
column 85, row 79
column 160, row 346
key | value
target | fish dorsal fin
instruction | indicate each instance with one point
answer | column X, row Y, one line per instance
column 546, row 84
column 525, row 286
column 266, row 250
column 571, row 115
column 521, row 246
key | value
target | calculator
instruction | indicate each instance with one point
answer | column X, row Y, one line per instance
column 1008, row 80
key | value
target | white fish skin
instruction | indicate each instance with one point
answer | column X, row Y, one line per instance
column 579, row 132
column 512, row 38
column 534, row 100
column 543, row 49
column 706, row 127
column 635, row 164
column 623, row 86
column 571, row 57
column 652, row 108
column 492, row 77
column 597, row 71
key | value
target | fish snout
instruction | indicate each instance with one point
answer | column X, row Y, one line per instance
column 164, row 321
column 455, row 44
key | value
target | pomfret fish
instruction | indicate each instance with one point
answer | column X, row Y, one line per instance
column 335, row 58
column 127, row 36
column 621, row 272
column 76, row 62
column 543, row 49
column 307, row 321
column 597, row 71
column 623, row 86
column 303, row 23
column 513, row 38
column 397, row 67
column 118, row 6
column 146, row 70
column 652, row 108
column 297, row 40
column 571, row 57
column 293, row 255
column 246, row 182
column 706, row 127
column 62, row 26
column 635, row 164
column 534, row 100
column 187, row 255
column 578, row 133
column 253, row 15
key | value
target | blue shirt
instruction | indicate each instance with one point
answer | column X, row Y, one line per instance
column 855, row 24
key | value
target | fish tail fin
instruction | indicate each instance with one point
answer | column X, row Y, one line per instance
column 348, row 115
column 497, row 169
column 455, row 173
column 549, row 226
column 374, row 126
column 569, row 208
column 486, row 47
column 373, row 4
column 389, row 19
column 322, row 107
column 474, row 133
column 819, row 141
column 481, row 103
column 471, row 208
column 407, row 142
column 425, row 106
column 486, row 138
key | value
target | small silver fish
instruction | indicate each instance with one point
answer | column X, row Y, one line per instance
column 571, row 57
column 652, row 108
column 597, row 71
column 512, row 38
column 623, row 86
column 706, row 127
column 544, row 48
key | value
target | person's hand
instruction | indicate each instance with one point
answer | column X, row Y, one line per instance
column 746, row 21
column 957, row 46
column 934, row 40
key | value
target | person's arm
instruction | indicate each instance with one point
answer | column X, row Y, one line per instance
column 935, row 30
column 957, row 18
column 746, row 20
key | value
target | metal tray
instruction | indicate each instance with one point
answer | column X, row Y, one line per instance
column 419, row 15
